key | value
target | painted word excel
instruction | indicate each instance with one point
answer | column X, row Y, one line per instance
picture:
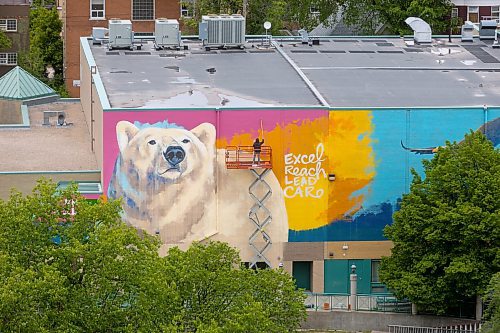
column 302, row 172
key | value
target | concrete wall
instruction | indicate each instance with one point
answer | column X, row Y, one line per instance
column 77, row 23
column 376, row 321
column 10, row 112
column 23, row 182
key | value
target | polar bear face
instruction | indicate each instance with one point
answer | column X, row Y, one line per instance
column 165, row 153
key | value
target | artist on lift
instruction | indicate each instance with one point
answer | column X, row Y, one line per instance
column 256, row 151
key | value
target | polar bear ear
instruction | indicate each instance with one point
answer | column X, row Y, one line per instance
column 206, row 133
column 125, row 131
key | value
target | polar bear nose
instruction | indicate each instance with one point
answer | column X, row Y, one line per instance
column 174, row 155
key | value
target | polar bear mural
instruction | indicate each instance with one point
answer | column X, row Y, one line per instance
column 173, row 182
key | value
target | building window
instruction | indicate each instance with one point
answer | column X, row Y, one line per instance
column 495, row 12
column 473, row 14
column 375, row 271
column 8, row 25
column 96, row 9
column 186, row 10
column 8, row 58
column 454, row 12
column 143, row 10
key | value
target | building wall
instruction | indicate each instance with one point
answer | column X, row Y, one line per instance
column 337, row 177
column 20, row 38
column 77, row 23
column 23, row 181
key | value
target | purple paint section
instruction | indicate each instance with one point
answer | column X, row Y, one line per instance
column 233, row 122
column 186, row 119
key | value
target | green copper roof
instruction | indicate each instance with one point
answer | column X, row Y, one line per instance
column 21, row 85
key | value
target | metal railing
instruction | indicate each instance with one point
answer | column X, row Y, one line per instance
column 378, row 303
column 465, row 328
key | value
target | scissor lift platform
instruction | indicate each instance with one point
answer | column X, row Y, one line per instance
column 241, row 157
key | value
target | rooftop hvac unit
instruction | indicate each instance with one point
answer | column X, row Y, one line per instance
column 422, row 32
column 487, row 29
column 222, row 31
column 98, row 35
column 167, row 33
column 467, row 33
column 120, row 34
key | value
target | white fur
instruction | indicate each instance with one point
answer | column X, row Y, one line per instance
column 201, row 200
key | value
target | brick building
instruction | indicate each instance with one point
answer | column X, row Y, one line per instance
column 476, row 10
column 80, row 16
column 14, row 21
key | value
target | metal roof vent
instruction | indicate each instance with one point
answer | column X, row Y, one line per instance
column 467, row 32
column 422, row 32
column 487, row 29
column 222, row 31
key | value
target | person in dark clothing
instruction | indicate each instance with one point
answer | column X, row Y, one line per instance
column 256, row 150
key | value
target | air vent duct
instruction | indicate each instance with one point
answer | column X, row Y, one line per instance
column 422, row 32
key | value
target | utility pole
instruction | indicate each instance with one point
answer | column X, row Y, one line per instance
column 245, row 5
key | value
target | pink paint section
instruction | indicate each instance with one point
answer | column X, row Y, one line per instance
column 227, row 122
column 92, row 196
column 186, row 119
column 233, row 122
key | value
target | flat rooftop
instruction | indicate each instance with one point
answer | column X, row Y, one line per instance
column 339, row 72
column 48, row 148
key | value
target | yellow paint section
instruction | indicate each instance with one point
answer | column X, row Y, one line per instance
column 352, row 161
column 306, row 151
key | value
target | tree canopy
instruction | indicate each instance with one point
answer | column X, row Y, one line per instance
column 70, row 265
column 5, row 42
column 46, row 48
column 492, row 315
column 365, row 15
column 446, row 234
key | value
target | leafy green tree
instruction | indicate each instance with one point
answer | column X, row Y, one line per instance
column 5, row 42
column 46, row 48
column 84, row 272
column 67, row 265
column 217, row 295
column 260, row 11
column 446, row 234
column 492, row 315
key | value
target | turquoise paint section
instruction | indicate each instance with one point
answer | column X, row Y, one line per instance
column 337, row 276
column 415, row 128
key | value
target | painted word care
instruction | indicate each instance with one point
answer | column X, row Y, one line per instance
column 302, row 172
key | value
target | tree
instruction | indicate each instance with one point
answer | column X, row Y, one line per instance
column 446, row 234
column 219, row 295
column 46, row 48
column 67, row 265
column 492, row 315
column 5, row 42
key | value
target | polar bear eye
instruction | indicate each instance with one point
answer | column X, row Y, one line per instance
column 185, row 141
column 152, row 142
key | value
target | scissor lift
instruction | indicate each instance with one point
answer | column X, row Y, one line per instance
column 241, row 157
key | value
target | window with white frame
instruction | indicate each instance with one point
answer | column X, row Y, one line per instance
column 454, row 12
column 143, row 9
column 97, row 9
column 495, row 12
column 473, row 14
column 186, row 10
column 8, row 24
column 8, row 58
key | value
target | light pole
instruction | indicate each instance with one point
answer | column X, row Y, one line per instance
column 354, row 286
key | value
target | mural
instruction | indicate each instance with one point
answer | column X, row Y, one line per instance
column 337, row 175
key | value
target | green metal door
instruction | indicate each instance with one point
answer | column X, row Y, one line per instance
column 301, row 272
